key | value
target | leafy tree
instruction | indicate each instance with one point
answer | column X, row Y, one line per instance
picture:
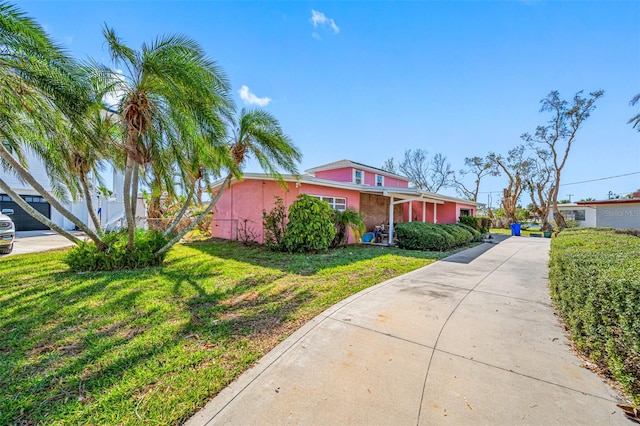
column 310, row 226
column 514, row 166
column 478, row 167
column 429, row 174
column 347, row 220
column 587, row 199
column 538, row 173
column 559, row 134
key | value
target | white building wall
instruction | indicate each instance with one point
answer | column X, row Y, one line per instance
column 589, row 213
column 111, row 210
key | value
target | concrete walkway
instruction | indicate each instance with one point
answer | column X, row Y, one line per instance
column 37, row 241
column 461, row 341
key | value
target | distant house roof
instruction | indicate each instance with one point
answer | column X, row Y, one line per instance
column 398, row 193
column 349, row 163
column 616, row 201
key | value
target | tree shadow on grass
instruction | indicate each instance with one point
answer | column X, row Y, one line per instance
column 97, row 334
column 306, row 264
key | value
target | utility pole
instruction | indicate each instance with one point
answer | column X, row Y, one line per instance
column 570, row 195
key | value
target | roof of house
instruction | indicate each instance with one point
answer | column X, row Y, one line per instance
column 398, row 193
column 349, row 163
column 616, row 201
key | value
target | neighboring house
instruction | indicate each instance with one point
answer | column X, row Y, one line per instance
column 619, row 213
column 110, row 211
column 384, row 198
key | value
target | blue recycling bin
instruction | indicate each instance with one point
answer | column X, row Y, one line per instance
column 515, row 229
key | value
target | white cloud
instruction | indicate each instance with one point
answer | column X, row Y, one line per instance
column 250, row 99
column 319, row 18
column 316, row 35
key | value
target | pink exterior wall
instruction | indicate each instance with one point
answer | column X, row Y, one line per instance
column 417, row 211
column 344, row 174
column 246, row 200
column 449, row 212
column 395, row 182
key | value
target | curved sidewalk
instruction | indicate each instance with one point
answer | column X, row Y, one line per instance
column 461, row 341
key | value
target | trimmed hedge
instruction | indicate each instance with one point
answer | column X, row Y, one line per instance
column 594, row 276
column 429, row 236
column 481, row 224
column 477, row 236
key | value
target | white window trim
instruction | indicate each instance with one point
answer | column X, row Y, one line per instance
column 376, row 181
column 354, row 176
column 333, row 204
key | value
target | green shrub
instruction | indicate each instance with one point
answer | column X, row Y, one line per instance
column 310, row 226
column 87, row 257
column 475, row 234
column 595, row 284
column 424, row 236
column 461, row 236
column 275, row 225
column 470, row 221
column 479, row 223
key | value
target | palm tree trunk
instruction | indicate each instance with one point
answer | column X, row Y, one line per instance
column 135, row 180
column 24, row 173
column 36, row 214
column 193, row 224
column 131, row 226
column 89, row 201
column 183, row 210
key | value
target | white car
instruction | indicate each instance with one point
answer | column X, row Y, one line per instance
column 7, row 231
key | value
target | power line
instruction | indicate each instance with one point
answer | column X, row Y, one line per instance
column 577, row 183
column 604, row 178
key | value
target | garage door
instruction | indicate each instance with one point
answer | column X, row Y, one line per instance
column 20, row 218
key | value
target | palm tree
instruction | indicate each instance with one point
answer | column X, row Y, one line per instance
column 347, row 220
column 43, row 94
column 256, row 134
column 635, row 120
column 174, row 101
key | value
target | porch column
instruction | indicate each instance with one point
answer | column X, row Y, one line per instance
column 435, row 213
column 391, row 221
column 424, row 211
column 410, row 211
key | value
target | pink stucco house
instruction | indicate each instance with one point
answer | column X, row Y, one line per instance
column 384, row 198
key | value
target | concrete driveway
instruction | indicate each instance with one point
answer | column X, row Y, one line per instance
column 464, row 341
column 37, row 241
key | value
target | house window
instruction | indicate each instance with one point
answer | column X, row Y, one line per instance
column 358, row 177
column 379, row 180
column 577, row 215
column 336, row 203
column 465, row 212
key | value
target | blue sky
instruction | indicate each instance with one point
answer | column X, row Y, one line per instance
column 367, row 80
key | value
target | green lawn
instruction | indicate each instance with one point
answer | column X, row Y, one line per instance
column 154, row 345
